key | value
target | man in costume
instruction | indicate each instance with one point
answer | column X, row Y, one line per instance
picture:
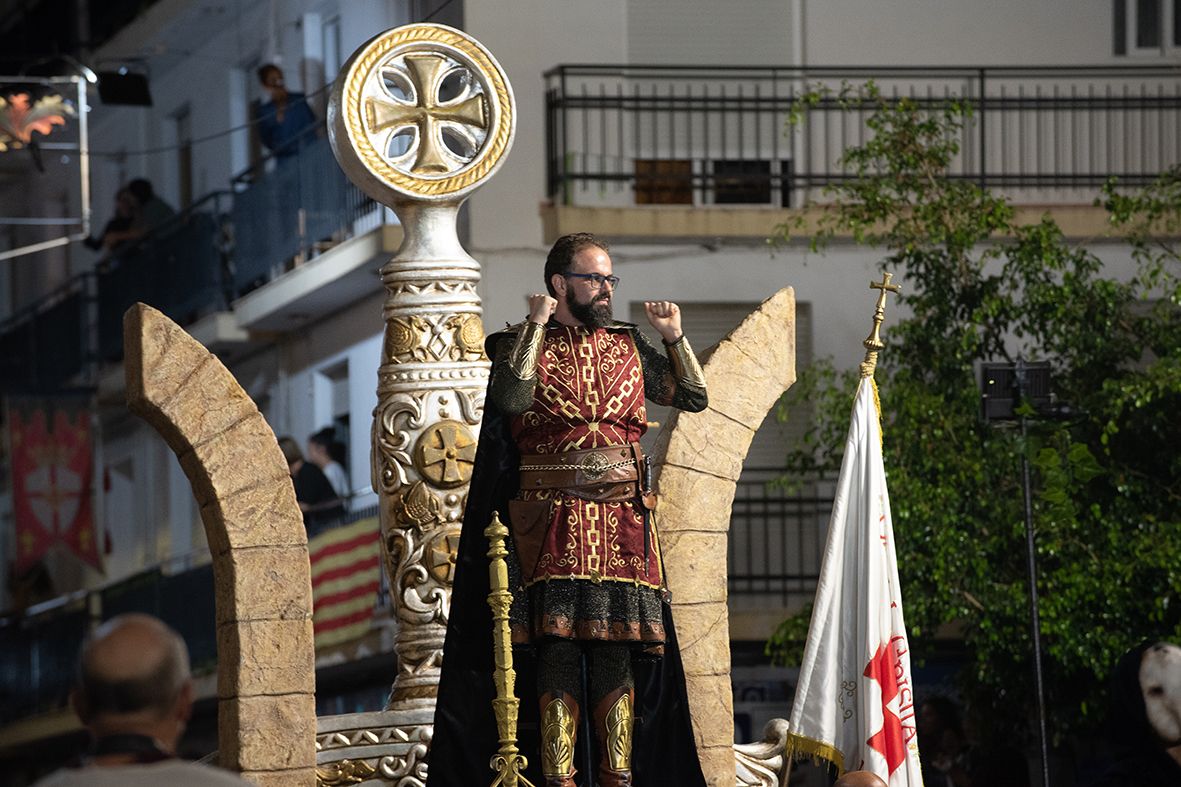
column 559, row 454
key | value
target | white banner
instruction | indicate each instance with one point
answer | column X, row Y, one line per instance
column 854, row 703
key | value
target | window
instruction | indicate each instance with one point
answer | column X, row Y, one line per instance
column 331, row 42
column 742, row 181
column 1146, row 27
column 1148, row 24
column 664, row 181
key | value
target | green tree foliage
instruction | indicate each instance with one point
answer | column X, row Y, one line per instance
column 980, row 286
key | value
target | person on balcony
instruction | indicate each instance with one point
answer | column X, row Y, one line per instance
column 286, row 122
column 139, row 211
column 151, row 211
column 324, row 452
column 117, row 228
column 559, row 457
column 134, row 695
column 321, row 506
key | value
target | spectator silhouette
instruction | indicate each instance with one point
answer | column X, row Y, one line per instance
column 952, row 758
column 146, row 212
column 118, row 228
column 134, row 694
column 1145, row 718
column 285, row 122
column 324, row 452
column 151, row 210
column 942, row 743
column 319, row 503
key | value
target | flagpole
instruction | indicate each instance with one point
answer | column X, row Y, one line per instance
column 854, row 697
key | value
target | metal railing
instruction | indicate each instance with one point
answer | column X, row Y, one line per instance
column 775, row 544
column 179, row 267
column 619, row 135
column 39, row 646
column 278, row 216
column 776, row 538
column 291, row 208
column 47, row 345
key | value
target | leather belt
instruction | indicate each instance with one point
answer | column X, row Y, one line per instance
column 604, row 466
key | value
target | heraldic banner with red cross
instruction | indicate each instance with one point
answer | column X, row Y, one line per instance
column 52, row 450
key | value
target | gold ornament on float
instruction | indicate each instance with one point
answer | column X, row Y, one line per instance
column 424, row 111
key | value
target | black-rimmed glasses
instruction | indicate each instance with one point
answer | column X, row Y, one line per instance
column 597, row 279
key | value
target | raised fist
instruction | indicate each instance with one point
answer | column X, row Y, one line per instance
column 541, row 307
column 665, row 317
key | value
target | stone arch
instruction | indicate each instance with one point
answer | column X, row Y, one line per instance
column 701, row 457
column 266, row 670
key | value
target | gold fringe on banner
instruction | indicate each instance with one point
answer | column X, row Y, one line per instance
column 800, row 747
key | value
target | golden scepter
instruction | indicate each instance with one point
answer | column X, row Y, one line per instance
column 508, row 761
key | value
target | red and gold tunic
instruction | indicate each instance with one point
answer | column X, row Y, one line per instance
column 582, row 568
column 589, row 394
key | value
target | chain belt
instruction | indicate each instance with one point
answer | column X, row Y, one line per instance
column 572, row 469
column 594, row 466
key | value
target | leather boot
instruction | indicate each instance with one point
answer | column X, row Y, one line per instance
column 559, row 729
column 613, row 728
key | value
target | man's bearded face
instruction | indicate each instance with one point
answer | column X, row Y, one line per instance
column 590, row 307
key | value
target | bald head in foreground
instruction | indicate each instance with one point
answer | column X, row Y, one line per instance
column 859, row 779
column 134, row 694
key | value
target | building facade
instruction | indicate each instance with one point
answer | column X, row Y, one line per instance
column 660, row 125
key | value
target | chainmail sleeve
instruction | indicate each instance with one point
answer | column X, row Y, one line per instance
column 666, row 380
column 507, row 390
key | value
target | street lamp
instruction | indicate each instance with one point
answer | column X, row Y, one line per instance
column 1005, row 388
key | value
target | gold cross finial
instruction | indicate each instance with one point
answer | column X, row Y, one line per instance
column 423, row 75
column 873, row 343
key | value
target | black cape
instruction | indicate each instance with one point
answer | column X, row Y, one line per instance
column 465, row 734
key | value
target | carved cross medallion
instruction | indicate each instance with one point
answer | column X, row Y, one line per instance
column 464, row 118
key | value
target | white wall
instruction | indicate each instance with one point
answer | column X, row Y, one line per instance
column 957, row 32
column 528, row 37
column 705, row 32
column 352, row 337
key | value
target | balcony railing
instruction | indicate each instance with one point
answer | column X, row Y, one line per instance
column 39, row 647
column 223, row 246
column 622, row 135
column 775, row 544
column 776, row 539
column 292, row 210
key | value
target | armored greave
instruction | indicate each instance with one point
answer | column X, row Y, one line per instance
column 613, row 728
column 559, row 729
column 559, row 685
column 613, row 690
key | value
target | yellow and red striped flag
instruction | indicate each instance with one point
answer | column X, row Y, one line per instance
column 346, row 566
